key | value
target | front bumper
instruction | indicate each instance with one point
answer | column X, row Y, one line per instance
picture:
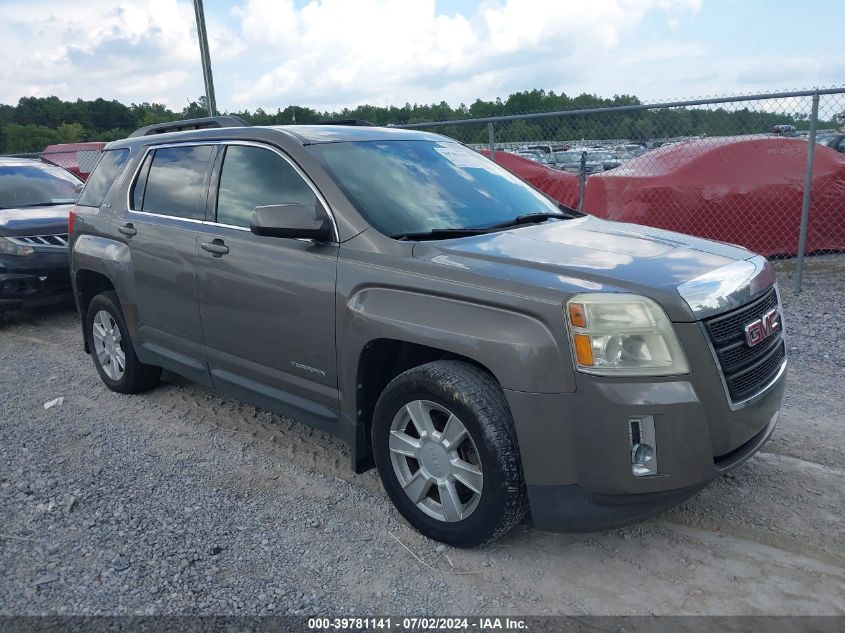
column 576, row 447
column 34, row 280
column 572, row 508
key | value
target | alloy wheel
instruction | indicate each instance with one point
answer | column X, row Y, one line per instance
column 436, row 461
column 108, row 345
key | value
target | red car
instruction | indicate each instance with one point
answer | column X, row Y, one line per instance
column 78, row 158
column 742, row 190
column 560, row 185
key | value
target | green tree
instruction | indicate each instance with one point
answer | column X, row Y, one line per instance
column 37, row 121
column 70, row 133
column 28, row 138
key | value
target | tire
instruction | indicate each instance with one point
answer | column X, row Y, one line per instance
column 438, row 496
column 136, row 376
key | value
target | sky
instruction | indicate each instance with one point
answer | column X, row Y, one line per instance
column 327, row 54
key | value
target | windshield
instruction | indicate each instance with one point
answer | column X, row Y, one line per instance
column 599, row 156
column 417, row 186
column 36, row 185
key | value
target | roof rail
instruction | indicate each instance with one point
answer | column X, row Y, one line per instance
column 348, row 122
column 190, row 124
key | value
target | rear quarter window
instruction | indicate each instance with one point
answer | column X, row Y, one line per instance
column 103, row 177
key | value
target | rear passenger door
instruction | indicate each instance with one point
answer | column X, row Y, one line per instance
column 167, row 207
column 267, row 303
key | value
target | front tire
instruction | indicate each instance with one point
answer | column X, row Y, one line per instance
column 112, row 349
column 446, row 450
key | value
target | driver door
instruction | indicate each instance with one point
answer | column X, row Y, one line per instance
column 267, row 304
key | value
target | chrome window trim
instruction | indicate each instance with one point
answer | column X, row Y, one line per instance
column 168, row 217
column 728, row 287
column 735, row 406
column 227, row 226
column 276, row 150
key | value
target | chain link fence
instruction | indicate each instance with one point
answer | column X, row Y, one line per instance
column 77, row 158
column 763, row 171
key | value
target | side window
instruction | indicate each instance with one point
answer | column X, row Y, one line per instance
column 101, row 180
column 174, row 182
column 253, row 177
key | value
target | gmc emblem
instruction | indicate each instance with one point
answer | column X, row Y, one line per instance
column 758, row 331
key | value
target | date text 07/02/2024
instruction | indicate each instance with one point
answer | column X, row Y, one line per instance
column 416, row 623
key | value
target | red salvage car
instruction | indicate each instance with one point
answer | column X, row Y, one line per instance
column 742, row 190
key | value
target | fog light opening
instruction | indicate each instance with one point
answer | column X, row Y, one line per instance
column 643, row 446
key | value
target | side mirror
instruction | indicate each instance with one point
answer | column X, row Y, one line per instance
column 290, row 220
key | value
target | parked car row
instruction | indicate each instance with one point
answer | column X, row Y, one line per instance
column 569, row 158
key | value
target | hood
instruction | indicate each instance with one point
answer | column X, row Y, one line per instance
column 46, row 220
column 589, row 254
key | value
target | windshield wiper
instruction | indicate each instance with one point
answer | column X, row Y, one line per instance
column 38, row 204
column 528, row 218
column 439, row 234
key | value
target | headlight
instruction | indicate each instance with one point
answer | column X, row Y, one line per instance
column 623, row 335
column 8, row 247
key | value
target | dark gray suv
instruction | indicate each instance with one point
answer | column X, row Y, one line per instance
column 489, row 351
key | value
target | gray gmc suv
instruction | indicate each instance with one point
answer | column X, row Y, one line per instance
column 491, row 352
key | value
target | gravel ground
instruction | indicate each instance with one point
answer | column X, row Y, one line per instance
column 180, row 501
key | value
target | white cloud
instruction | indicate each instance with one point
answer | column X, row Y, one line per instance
column 334, row 53
column 388, row 51
column 136, row 50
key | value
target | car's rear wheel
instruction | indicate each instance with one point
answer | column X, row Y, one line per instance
column 446, row 450
column 112, row 350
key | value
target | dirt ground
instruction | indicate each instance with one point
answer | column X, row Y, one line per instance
column 181, row 501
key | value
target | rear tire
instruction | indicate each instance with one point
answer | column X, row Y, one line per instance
column 112, row 350
column 446, row 450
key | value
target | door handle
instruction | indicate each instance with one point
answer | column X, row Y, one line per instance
column 215, row 247
column 128, row 230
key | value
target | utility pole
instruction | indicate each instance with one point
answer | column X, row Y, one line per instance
column 206, row 59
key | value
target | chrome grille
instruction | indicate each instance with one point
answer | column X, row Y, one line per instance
column 725, row 327
column 747, row 370
column 59, row 240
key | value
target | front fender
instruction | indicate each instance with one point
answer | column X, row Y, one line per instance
column 520, row 351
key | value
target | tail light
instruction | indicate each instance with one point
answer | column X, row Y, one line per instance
column 71, row 218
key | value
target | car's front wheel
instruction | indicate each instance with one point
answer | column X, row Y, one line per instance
column 447, row 453
column 112, row 350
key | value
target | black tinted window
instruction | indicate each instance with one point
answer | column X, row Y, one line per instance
column 174, row 183
column 101, row 180
column 254, row 177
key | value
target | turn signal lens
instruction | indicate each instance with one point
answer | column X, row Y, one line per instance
column 577, row 315
column 583, row 350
